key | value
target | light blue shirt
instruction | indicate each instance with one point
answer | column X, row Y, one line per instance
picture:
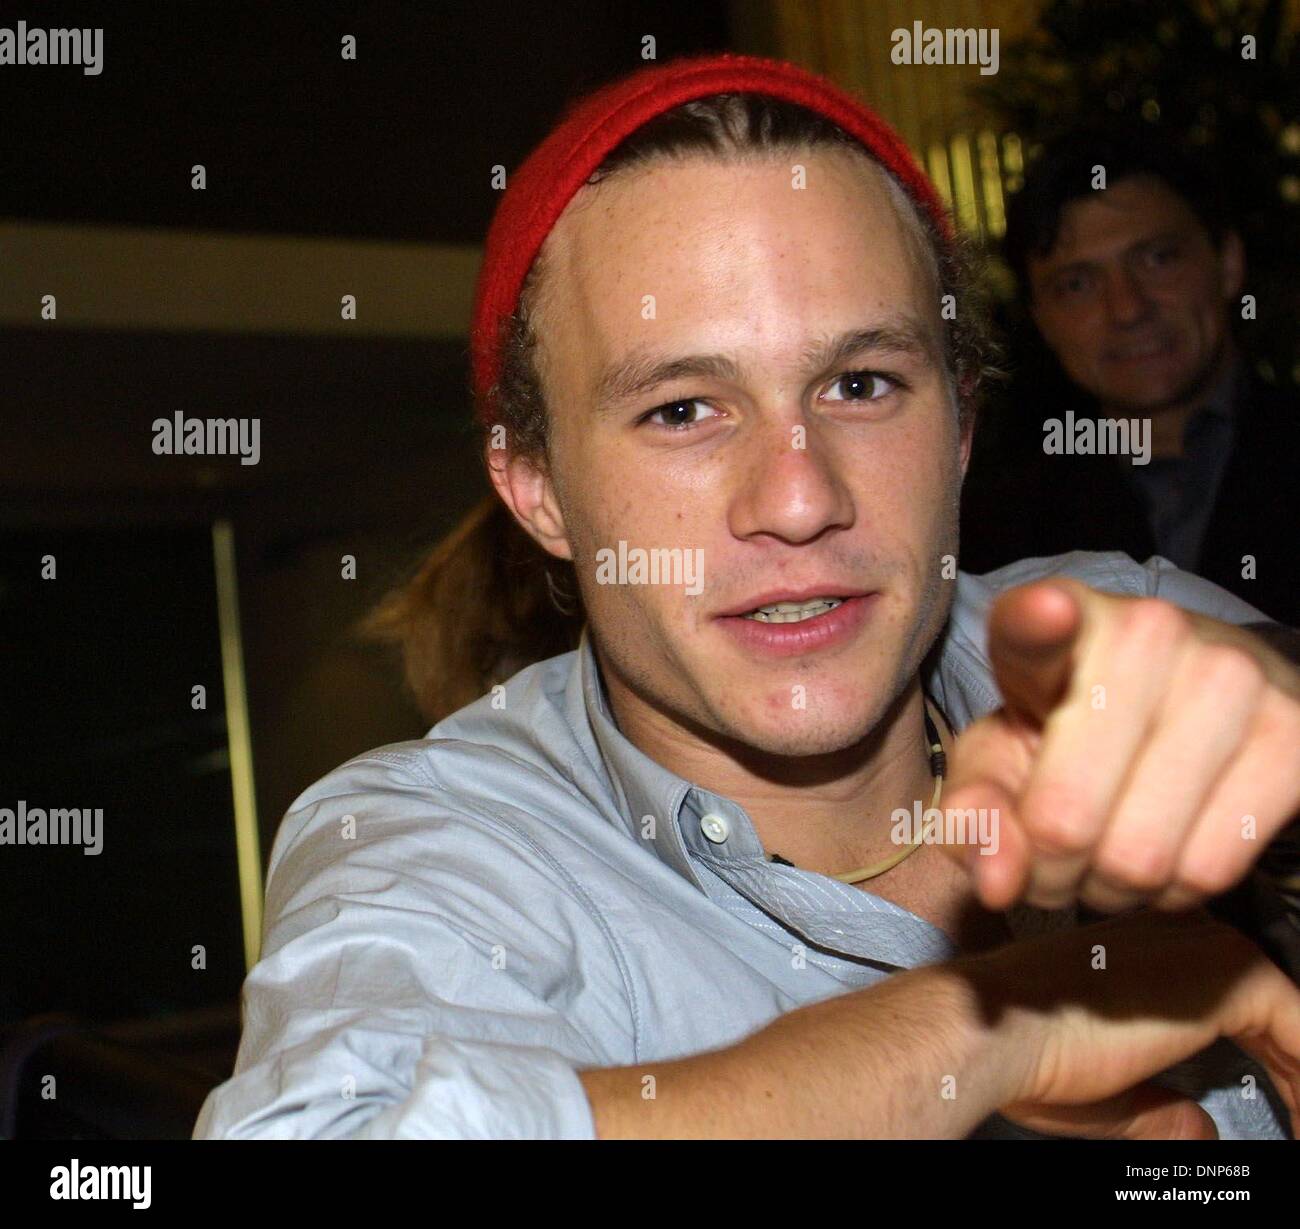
column 455, row 926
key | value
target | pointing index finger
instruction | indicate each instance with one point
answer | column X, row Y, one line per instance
column 1032, row 633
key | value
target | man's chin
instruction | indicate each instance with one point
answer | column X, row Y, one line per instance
column 801, row 735
column 1143, row 398
column 1142, row 402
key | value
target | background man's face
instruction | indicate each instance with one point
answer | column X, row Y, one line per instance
column 1133, row 297
column 694, row 257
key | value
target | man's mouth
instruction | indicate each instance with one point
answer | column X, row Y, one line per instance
column 790, row 623
column 794, row 612
column 793, row 605
column 1142, row 351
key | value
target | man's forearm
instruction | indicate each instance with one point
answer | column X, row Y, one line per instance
column 910, row 1057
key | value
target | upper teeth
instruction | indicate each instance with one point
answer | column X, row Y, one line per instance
column 794, row 612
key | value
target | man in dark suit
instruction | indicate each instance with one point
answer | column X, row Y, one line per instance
column 1155, row 436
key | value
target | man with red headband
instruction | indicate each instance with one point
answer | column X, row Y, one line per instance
column 695, row 878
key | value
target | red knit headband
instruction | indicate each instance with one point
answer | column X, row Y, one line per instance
column 593, row 126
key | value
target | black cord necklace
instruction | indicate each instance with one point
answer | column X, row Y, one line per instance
column 938, row 767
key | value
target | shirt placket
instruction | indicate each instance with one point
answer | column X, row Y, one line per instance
column 824, row 912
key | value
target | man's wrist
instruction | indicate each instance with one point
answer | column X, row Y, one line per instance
column 1005, row 1037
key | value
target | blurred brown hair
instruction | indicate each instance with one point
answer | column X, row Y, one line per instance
column 481, row 607
column 488, row 601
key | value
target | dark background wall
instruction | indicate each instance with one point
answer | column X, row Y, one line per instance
column 364, row 442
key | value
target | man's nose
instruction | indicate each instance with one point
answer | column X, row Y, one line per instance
column 789, row 485
column 1126, row 300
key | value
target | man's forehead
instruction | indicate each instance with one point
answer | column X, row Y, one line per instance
column 1133, row 209
column 595, row 251
column 623, row 205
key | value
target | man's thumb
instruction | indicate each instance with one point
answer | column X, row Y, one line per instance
column 1145, row 1111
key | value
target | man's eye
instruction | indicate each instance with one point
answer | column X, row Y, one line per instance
column 1076, row 283
column 1162, row 256
column 864, row 385
column 673, row 418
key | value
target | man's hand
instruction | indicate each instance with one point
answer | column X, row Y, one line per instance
column 1088, row 1039
column 1145, row 754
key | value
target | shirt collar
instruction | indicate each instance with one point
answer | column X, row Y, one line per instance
column 711, row 842
column 660, row 808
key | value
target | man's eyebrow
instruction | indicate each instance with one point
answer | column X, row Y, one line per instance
column 905, row 336
column 1172, row 234
column 1166, row 235
column 641, row 372
column 1054, row 273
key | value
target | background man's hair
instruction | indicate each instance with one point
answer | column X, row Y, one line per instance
column 488, row 600
column 1063, row 173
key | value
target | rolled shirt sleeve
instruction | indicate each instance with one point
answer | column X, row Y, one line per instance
column 1109, row 571
column 1118, row 573
column 423, row 975
column 1197, row 594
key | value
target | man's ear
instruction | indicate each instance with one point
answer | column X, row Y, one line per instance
column 1033, row 288
column 526, row 488
column 1232, row 260
column 966, row 418
column 1034, row 308
column 967, row 439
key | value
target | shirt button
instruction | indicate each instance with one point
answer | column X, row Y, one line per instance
column 715, row 828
